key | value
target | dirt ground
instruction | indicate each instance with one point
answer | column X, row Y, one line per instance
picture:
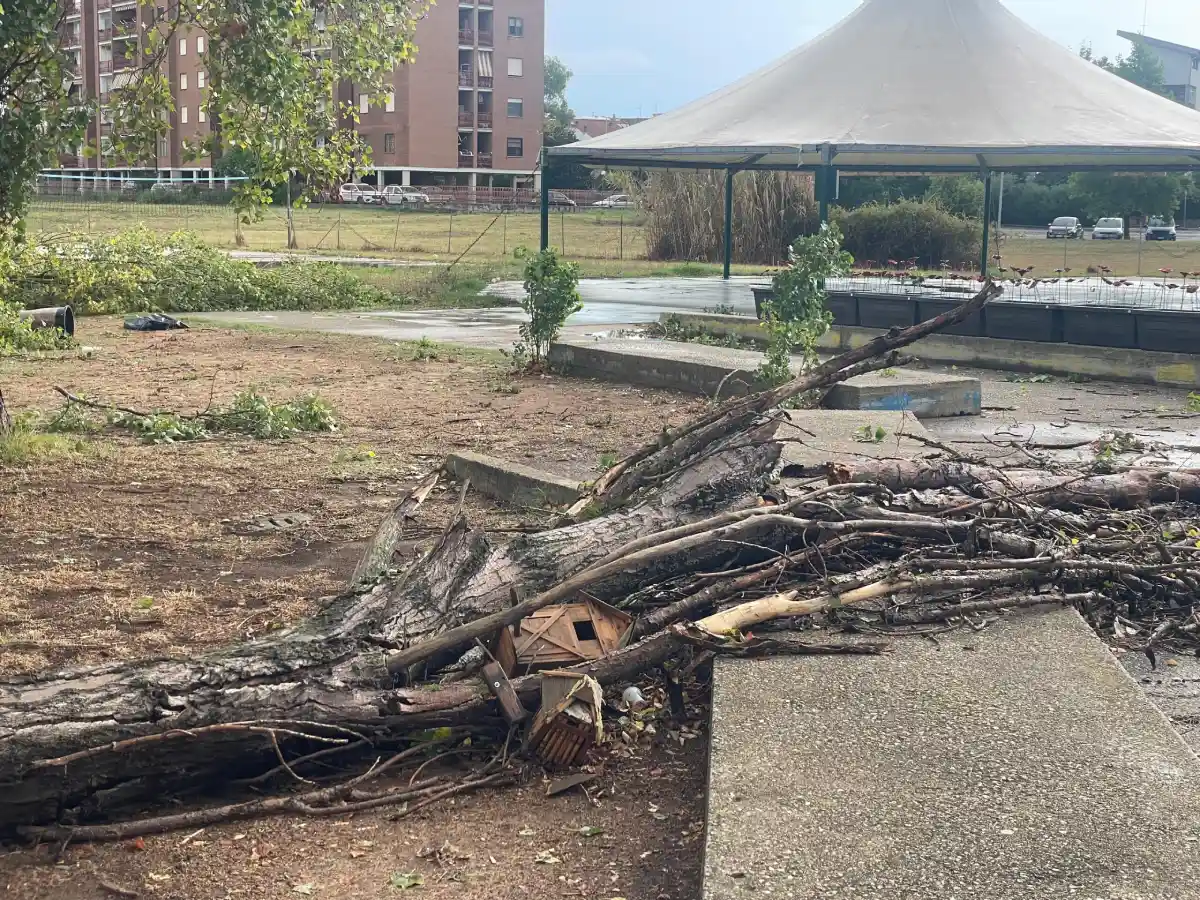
column 133, row 550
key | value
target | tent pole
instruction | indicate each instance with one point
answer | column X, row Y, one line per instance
column 545, row 218
column 729, row 173
column 824, row 185
column 987, row 221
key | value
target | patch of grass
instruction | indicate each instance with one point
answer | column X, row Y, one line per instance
column 608, row 460
column 25, row 444
column 425, row 350
column 360, row 454
column 870, row 434
column 504, row 387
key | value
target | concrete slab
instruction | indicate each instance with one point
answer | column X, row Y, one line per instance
column 510, row 482
column 922, row 393
column 817, row 436
column 1016, row 763
column 703, row 369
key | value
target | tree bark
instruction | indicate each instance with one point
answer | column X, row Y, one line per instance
column 172, row 726
column 1125, row 490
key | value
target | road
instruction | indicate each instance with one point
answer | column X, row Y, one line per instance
column 1014, row 231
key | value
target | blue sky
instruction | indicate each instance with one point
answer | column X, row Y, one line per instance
column 637, row 57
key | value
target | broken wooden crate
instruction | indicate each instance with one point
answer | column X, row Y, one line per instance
column 563, row 635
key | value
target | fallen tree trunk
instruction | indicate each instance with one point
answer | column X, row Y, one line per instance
column 1124, row 490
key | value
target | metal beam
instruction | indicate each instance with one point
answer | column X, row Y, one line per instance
column 545, row 212
column 729, row 220
column 987, row 221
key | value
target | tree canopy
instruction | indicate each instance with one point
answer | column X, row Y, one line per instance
column 41, row 113
column 1141, row 67
column 558, row 128
column 278, row 74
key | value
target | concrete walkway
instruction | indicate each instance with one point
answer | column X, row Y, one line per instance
column 1017, row 763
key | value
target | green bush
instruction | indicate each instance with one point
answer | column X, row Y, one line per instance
column 551, row 297
column 140, row 271
column 910, row 230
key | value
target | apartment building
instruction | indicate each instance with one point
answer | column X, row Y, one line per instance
column 1181, row 66
column 468, row 111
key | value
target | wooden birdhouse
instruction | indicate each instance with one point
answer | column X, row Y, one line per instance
column 568, row 635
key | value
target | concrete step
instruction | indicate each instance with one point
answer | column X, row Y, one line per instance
column 1015, row 763
column 725, row 372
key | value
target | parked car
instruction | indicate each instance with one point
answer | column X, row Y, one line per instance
column 1109, row 229
column 1161, row 228
column 1065, row 227
column 164, row 188
column 616, row 201
column 352, row 192
column 558, row 198
column 401, row 195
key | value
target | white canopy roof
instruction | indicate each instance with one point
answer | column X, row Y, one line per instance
column 918, row 85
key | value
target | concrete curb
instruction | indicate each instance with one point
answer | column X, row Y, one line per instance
column 1139, row 366
column 512, row 483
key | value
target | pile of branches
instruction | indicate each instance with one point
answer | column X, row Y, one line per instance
column 695, row 533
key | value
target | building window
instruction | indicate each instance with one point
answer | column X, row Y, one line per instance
column 390, row 102
column 183, row 115
column 364, row 102
column 389, row 143
column 163, row 148
column 200, row 80
column 200, row 44
column 516, row 26
column 516, row 109
column 183, row 81
column 183, row 46
column 516, row 148
column 516, row 66
column 201, row 114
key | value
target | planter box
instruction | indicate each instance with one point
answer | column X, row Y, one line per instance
column 931, row 309
column 1171, row 332
column 1100, row 327
column 1024, row 322
column 844, row 308
column 878, row 311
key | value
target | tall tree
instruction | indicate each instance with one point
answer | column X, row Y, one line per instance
column 558, row 128
column 1107, row 194
column 1141, row 67
column 41, row 113
column 278, row 73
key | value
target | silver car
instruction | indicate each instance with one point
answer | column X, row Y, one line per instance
column 1109, row 229
column 1065, row 227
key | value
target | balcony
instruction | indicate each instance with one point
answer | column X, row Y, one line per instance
column 104, row 34
column 485, row 119
column 124, row 29
column 486, row 39
column 466, row 160
column 74, row 8
column 100, row 4
column 106, row 67
column 466, row 37
column 105, row 98
column 466, row 77
column 485, row 160
column 465, row 119
column 485, row 82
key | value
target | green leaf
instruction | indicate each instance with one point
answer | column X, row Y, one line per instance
column 406, row 880
column 591, row 831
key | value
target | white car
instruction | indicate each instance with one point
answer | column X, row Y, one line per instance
column 616, row 201
column 400, row 195
column 1109, row 230
column 1160, row 228
column 358, row 193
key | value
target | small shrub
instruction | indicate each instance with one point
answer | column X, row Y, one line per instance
column 911, row 230
column 551, row 297
column 1193, row 402
column 425, row 350
column 796, row 317
column 608, row 460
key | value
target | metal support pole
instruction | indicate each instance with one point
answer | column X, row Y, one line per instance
column 728, row 220
column 545, row 219
column 826, row 175
column 1000, row 209
column 987, row 221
